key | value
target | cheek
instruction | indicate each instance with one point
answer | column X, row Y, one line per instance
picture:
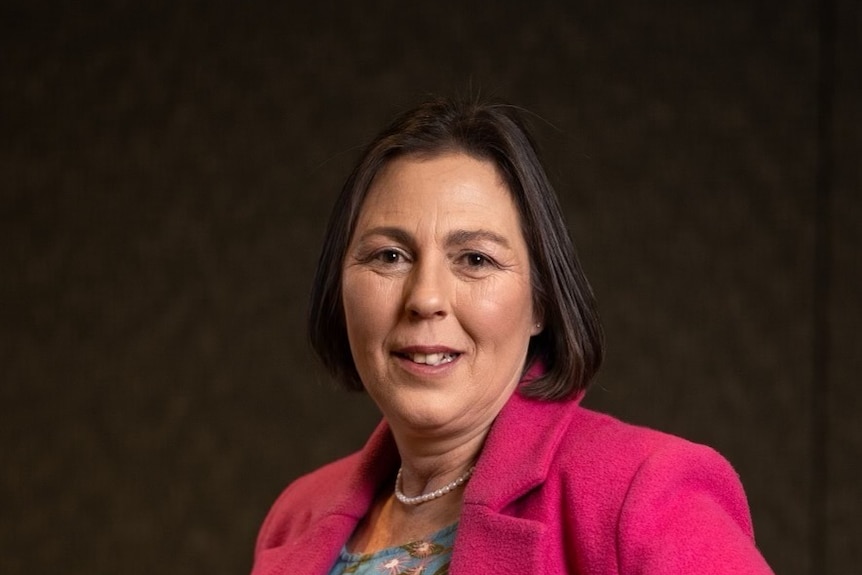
column 498, row 308
column 368, row 305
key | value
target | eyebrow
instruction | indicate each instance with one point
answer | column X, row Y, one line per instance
column 455, row 238
column 460, row 237
column 393, row 233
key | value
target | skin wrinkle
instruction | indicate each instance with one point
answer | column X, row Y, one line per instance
column 455, row 239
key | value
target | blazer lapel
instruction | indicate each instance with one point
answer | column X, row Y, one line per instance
column 515, row 460
column 518, row 451
column 312, row 554
column 491, row 542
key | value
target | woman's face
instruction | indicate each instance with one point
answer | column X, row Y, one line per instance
column 437, row 294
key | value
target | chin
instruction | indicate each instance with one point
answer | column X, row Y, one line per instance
column 421, row 415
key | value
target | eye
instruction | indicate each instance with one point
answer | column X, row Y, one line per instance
column 389, row 256
column 476, row 260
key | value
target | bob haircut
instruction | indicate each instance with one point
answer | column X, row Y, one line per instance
column 570, row 345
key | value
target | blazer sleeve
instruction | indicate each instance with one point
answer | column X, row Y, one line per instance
column 685, row 512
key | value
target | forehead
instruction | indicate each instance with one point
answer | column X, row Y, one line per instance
column 446, row 186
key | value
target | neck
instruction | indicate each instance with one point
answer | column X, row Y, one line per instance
column 429, row 464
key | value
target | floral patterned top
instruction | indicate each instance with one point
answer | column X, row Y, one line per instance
column 428, row 556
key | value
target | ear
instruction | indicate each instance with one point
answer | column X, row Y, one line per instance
column 538, row 319
column 537, row 328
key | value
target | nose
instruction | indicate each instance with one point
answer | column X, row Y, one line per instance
column 427, row 290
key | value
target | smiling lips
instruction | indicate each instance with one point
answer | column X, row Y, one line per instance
column 431, row 358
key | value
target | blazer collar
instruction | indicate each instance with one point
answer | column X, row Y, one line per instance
column 377, row 462
column 349, row 497
column 519, row 450
column 516, row 458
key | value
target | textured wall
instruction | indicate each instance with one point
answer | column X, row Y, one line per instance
column 167, row 168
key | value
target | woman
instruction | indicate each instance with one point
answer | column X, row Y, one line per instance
column 449, row 290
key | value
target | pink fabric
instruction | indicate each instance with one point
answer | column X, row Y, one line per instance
column 557, row 489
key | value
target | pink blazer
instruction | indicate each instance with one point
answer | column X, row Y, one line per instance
column 557, row 489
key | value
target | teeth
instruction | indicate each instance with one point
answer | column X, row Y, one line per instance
column 431, row 358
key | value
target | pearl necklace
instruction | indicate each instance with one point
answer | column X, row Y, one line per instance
column 429, row 496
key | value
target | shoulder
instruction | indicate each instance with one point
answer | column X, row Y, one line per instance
column 673, row 505
column 534, row 442
column 630, row 462
column 615, row 448
column 567, row 437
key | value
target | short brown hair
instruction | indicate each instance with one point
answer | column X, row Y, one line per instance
column 570, row 345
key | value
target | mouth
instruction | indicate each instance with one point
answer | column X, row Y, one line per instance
column 430, row 358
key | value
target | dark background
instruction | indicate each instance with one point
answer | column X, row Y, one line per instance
column 167, row 168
